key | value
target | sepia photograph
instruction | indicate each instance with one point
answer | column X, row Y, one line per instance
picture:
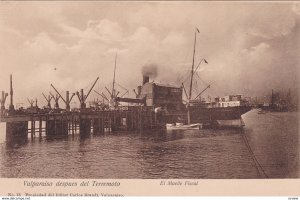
column 149, row 90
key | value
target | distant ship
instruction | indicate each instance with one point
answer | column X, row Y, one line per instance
column 279, row 103
column 221, row 112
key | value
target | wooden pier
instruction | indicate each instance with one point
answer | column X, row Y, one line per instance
column 84, row 122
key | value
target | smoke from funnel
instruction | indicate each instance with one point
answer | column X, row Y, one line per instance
column 149, row 70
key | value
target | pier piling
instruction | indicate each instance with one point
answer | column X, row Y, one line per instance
column 61, row 124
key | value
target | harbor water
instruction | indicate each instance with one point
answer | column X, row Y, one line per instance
column 273, row 139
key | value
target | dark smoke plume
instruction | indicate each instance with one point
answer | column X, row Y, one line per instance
column 150, row 70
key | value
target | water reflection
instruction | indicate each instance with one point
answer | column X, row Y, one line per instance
column 15, row 142
column 160, row 154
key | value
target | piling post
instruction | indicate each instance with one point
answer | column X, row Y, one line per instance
column 99, row 124
column 140, row 118
column 69, row 126
column 109, row 124
column 32, row 128
column 75, row 124
column 102, row 123
column 62, row 128
column 126, row 120
column 113, row 125
column 84, row 125
column 40, row 127
column 46, row 124
column 72, row 123
column 55, row 126
column 151, row 126
column 135, row 119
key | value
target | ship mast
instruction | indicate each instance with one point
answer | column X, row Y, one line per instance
column 192, row 71
column 114, row 80
column 192, row 74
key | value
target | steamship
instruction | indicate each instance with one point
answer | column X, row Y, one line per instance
column 226, row 111
column 167, row 99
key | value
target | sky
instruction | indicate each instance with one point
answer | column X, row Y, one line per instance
column 251, row 47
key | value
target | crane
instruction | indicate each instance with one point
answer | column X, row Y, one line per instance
column 56, row 98
column 31, row 102
column 82, row 98
column 102, row 95
column 48, row 99
column 2, row 100
column 68, row 98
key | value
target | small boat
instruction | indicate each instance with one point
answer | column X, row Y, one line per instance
column 261, row 112
column 181, row 126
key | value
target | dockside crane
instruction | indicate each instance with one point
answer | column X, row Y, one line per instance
column 31, row 102
column 2, row 101
column 126, row 91
column 56, row 98
column 48, row 99
column 82, row 98
column 68, row 98
column 102, row 95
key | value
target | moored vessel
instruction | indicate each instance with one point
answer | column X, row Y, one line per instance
column 222, row 112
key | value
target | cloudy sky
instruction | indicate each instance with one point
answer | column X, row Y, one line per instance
column 250, row 47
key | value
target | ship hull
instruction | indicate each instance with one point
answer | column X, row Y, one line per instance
column 202, row 114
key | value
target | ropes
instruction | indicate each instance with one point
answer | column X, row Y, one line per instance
column 257, row 164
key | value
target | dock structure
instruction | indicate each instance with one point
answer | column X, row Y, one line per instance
column 147, row 111
column 83, row 122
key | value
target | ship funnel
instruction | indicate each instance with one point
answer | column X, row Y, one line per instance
column 145, row 79
column 139, row 88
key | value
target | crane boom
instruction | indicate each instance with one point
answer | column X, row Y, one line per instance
column 45, row 96
column 90, row 89
column 30, row 101
column 184, row 91
column 202, row 91
column 47, row 99
column 121, row 86
column 4, row 96
column 124, row 93
column 134, row 92
column 54, row 97
column 72, row 97
column 102, row 95
column 58, row 93
column 79, row 97
column 108, row 91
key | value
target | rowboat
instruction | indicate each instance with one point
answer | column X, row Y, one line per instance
column 181, row 126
